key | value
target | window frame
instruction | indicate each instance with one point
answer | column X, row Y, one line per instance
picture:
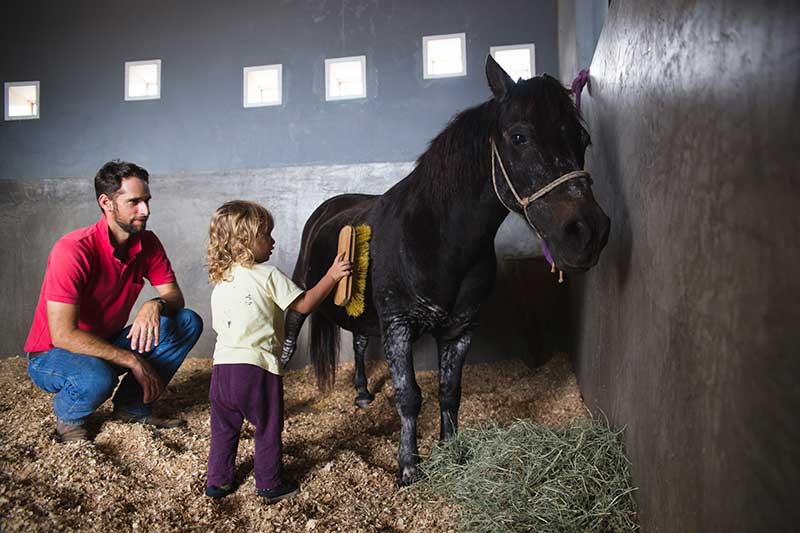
column 257, row 68
column 427, row 38
column 128, row 65
column 330, row 61
column 6, row 92
column 529, row 46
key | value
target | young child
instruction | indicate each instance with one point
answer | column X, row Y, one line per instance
column 247, row 306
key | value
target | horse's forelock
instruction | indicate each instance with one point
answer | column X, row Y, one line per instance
column 544, row 100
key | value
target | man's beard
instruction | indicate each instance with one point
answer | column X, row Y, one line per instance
column 128, row 228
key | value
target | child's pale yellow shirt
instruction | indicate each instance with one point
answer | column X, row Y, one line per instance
column 247, row 314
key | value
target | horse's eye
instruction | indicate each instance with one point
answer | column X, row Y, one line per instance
column 518, row 139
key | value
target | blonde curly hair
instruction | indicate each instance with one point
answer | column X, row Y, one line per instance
column 232, row 235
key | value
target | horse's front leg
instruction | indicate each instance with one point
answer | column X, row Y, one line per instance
column 452, row 354
column 363, row 396
column 408, row 397
column 294, row 321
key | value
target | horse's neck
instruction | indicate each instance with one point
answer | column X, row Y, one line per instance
column 470, row 212
column 479, row 217
column 452, row 182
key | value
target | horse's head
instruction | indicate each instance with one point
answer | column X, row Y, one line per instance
column 539, row 139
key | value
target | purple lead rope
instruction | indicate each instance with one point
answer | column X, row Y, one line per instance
column 578, row 84
column 546, row 252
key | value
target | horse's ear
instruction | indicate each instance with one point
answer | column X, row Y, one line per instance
column 499, row 82
column 548, row 77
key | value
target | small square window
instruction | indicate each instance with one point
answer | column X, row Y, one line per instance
column 444, row 56
column 518, row 60
column 21, row 100
column 143, row 80
column 263, row 85
column 345, row 78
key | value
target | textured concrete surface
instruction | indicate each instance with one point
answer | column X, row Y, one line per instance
column 35, row 213
column 687, row 330
column 579, row 25
column 77, row 51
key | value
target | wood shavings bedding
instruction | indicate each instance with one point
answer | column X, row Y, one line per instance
column 132, row 477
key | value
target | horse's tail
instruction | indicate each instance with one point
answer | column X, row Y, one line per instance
column 324, row 345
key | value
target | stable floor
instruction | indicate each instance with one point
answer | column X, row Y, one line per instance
column 133, row 477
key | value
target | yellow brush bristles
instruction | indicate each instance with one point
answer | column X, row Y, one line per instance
column 355, row 307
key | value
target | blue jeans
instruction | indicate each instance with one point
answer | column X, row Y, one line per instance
column 82, row 382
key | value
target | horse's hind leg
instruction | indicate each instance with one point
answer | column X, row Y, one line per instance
column 452, row 353
column 408, row 397
column 294, row 321
column 363, row 397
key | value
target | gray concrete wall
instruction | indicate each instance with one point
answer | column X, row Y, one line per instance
column 579, row 25
column 194, row 138
column 77, row 51
column 686, row 332
column 35, row 213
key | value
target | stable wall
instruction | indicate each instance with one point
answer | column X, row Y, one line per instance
column 35, row 213
column 77, row 51
column 686, row 332
column 203, row 148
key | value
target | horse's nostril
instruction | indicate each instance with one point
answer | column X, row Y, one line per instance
column 574, row 228
column 578, row 232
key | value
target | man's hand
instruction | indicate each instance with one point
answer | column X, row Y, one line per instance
column 144, row 333
column 148, row 379
column 63, row 318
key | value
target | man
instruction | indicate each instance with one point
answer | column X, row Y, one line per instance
column 77, row 346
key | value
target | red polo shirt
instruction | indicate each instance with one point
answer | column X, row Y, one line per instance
column 83, row 270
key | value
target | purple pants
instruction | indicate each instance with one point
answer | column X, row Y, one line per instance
column 240, row 392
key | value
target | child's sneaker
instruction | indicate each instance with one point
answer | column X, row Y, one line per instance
column 213, row 491
column 286, row 489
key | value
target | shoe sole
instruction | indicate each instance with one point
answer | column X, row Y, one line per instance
column 180, row 424
column 276, row 499
column 219, row 496
column 66, row 440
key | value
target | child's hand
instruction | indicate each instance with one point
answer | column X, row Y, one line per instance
column 340, row 268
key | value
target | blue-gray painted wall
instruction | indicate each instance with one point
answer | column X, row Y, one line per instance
column 77, row 51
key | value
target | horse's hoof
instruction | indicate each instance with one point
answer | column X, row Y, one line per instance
column 363, row 400
column 407, row 476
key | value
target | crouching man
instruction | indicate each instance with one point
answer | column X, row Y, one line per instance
column 78, row 344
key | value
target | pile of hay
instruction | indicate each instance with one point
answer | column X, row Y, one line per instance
column 530, row 477
column 134, row 478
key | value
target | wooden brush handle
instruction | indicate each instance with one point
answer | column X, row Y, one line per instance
column 347, row 244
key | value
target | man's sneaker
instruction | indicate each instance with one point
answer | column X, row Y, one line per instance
column 150, row 420
column 216, row 492
column 286, row 489
column 70, row 432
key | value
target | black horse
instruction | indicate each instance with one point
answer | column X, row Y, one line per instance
column 432, row 260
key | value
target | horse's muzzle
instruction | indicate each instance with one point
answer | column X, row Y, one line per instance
column 581, row 239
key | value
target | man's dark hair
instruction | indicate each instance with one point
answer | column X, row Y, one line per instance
column 108, row 179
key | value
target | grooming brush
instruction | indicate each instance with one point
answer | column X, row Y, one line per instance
column 347, row 245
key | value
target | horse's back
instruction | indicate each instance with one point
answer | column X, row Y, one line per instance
column 321, row 232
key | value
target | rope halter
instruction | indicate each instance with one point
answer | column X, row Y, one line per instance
column 524, row 202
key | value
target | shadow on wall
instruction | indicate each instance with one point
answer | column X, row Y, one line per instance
column 613, row 269
column 688, row 326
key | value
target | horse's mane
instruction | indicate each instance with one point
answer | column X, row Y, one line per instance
column 459, row 154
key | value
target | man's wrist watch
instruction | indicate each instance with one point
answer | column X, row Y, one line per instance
column 161, row 301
